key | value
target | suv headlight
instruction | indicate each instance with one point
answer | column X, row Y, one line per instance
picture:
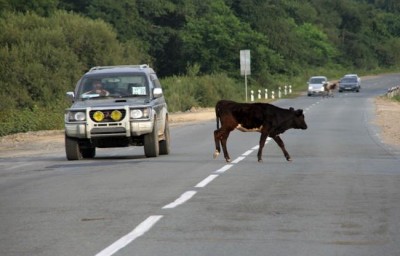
column 140, row 113
column 76, row 116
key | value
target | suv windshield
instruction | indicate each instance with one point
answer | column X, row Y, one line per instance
column 132, row 85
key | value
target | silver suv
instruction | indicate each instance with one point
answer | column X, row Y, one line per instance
column 117, row 106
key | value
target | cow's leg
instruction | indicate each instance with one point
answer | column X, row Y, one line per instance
column 220, row 138
column 280, row 143
column 263, row 138
column 224, row 139
column 217, row 139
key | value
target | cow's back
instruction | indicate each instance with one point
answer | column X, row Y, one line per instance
column 248, row 115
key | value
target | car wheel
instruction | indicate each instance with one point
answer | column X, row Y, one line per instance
column 151, row 146
column 165, row 143
column 72, row 149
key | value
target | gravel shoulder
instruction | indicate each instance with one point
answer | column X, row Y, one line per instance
column 387, row 116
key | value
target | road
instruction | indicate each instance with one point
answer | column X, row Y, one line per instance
column 339, row 196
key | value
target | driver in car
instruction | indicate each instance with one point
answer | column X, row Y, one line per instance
column 97, row 88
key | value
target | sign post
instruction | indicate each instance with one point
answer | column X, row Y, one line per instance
column 245, row 66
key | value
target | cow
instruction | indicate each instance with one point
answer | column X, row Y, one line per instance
column 269, row 120
column 328, row 89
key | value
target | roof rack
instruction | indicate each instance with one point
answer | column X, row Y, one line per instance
column 141, row 66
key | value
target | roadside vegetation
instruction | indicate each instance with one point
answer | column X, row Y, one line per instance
column 45, row 46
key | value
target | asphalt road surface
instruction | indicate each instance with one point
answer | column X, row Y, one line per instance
column 339, row 196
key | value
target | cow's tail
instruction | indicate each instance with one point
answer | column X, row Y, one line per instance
column 217, row 116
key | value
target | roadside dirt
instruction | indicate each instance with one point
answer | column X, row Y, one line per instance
column 388, row 119
column 44, row 142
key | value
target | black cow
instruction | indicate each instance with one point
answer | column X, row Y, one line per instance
column 265, row 118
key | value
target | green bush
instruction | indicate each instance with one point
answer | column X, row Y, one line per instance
column 36, row 119
column 41, row 58
column 184, row 92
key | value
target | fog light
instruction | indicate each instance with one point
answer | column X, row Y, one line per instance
column 116, row 115
column 98, row 116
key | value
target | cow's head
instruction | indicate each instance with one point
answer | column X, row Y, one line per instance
column 298, row 120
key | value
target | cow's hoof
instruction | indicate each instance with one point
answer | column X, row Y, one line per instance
column 216, row 154
column 260, row 160
column 228, row 160
column 289, row 159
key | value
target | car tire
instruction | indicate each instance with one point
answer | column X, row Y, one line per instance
column 72, row 149
column 151, row 146
column 165, row 143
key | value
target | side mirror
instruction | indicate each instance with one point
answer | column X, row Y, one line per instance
column 157, row 92
column 71, row 96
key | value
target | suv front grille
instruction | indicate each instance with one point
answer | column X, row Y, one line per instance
column 107, row 115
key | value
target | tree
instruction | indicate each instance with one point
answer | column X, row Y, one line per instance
column 215, row 38
column 313, row 45
column 40, row 7
column 41, row 58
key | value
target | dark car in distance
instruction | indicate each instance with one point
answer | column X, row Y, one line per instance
column 349, row 83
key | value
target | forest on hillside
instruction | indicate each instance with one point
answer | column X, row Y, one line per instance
column 46, row 45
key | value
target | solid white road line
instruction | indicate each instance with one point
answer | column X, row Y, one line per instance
column 207, row 180
column 128, row 238
column 182, row 199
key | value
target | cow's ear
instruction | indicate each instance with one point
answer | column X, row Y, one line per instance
column 299, row 112
column 291, row 109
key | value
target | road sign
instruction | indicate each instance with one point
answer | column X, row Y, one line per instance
column 245, row 62
column 245, row 66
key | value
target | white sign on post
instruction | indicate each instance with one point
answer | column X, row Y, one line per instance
column 245, row 66
column 245, row 62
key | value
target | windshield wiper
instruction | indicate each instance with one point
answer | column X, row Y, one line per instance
column 132, row 96
column 96, row 97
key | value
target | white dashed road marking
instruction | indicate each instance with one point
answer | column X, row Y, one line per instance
column 207, row 180
column 180, row 200
column 224, row 169
column 128, row 238
column 237, row 160
column 248, row 152
column 150, row 221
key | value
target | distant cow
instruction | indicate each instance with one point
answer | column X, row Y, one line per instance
column 265, row 118
column 328, row 89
